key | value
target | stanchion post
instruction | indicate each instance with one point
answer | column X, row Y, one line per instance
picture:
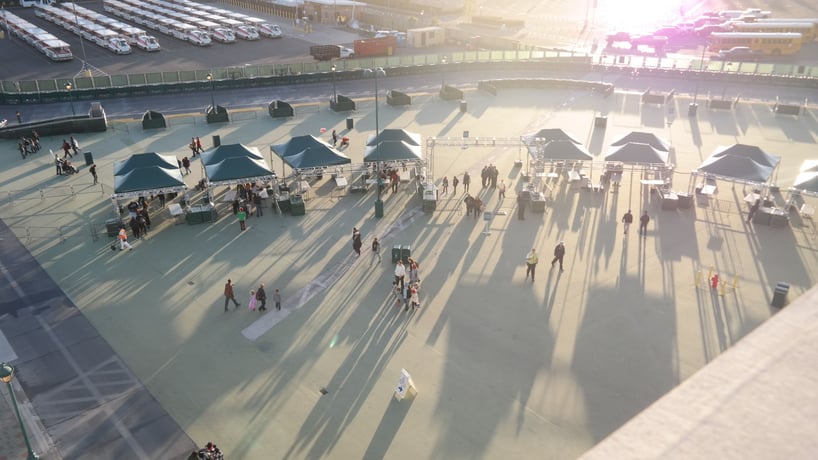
column 698, row 278
column 710, row 274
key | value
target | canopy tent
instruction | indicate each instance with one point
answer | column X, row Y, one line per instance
column 637, row 153
column 550, row 134
column 304, row 152
column 142, row 160
column 392, row 151
column 238, row 170
column 564, row 150
column 224, row 151
column 748, row 151
column 644, row 138
column 396, row 135
column 736, row 168
column 148, row 180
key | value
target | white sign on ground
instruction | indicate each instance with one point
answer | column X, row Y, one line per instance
column 404, row 384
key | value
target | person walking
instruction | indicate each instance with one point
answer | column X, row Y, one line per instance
column 75, row 146
column 502, row 190
column 186, row 165
column 753, row 210
column 628, row 220
column 123, row 239
column 261, row 296
column 531, row 264
column 228, row 294
column 199, row 145
column 66, row 147
column 559, row 253
column 277, row 299
column 376, row 250
column 400, row 273
column 466, row 181
column 445, row 185
column 242, row 216
column 192, row 147
column 251, row 304
column 643, row 224
column 356, row 243
column 93, row 171
column 455, row 183
column 334, row 138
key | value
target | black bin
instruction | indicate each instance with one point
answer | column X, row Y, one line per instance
column 89, row 158
column 601, row 122
column 350, row 123
column 405, row 253
column 217, row 141
column 395, row 253
column 780, row 294
column 112, row 226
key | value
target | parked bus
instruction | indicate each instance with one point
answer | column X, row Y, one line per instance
column 807, row 30
column 768, row 44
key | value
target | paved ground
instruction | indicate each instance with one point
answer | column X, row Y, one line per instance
column 504, row 367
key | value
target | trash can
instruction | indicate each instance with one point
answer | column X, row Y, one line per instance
column 780, row 295
column 297, row 207
column 691, row 109
column 601, row 122
column 89, row 158
column 395, row 253
column 350, row 123
column 112, row 226
column 217, row 140
column 405, row 253
column 463, row 106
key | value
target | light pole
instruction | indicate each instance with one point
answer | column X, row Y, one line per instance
column 334, row 97
column 70, row 99
column 6, row 376
column 212, row 99
column 376, row 72
column 442, row 71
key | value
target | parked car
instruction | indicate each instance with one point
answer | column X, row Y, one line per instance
column 740, row 52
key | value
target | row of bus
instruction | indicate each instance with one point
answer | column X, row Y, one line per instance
column 105, row 32
column 51, row 46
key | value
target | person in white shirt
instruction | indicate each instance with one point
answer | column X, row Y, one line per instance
column 123, row 240
column 400, row 273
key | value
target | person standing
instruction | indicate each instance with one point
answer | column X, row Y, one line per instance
column 628, row 220
column 19, row 117
column 75, row 146
column 753, row 210
column 502, row 190
column 559, row 253
column 531, row 264
column 484, row 176
column 261, row 296
column 643, row 224
column 356, row 243
column 58, row 163
column 257, row 202
column 445, row 185
column 466, row 181
column 242, row 216
column 376, row 250
column 455, row 183
column 400, row 274
column 199, row 145
column 123, row 239
column 186, row 164
column 334, row 138
column 228, row 294
column 277, row 299
column 93, row 171
column 192, row 147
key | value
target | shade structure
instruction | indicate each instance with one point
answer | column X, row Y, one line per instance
column 550, row 134
column 142, row 160
column 637, row 153
column 316, row 157
column 748, row 151
column 217, row 154
column 736, row 168
column 564, row 150
column 238, row 170
column 807, row 182
column 641, row 137
column 297, row 145
column 392, row 151
column 148, row 180
column 392, row 135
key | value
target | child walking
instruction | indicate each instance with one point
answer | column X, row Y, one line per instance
column 252, row 303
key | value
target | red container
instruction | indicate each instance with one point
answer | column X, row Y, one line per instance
column 384, row 46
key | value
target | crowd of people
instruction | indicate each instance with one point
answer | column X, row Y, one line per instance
column 257, row 300
column 29, row 145
column 406, row 294
column 209, row 452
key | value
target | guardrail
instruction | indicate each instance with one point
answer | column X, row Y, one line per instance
column 141, row 84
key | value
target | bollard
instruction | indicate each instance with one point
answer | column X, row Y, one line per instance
column 698, row 278
column 735, row 282
column 710, row 273
column 42, row 194
column 723, row 288
column 73, row 194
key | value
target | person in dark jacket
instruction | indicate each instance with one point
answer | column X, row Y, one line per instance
column 559, row 253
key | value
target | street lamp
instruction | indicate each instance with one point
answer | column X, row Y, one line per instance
column 378, row 71
column 442, row 71
column 6, row 376
column 212, row 99
column 334, row 100
column 70, row 99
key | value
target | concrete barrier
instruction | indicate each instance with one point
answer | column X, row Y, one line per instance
column 220, row 115
column 342, row 104
column 280, row 109
column 450, row 93
column 397, row 98
column 153, row 120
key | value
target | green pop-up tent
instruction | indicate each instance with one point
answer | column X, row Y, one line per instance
column 147, row 174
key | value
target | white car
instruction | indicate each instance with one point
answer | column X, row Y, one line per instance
column 247, row 32
column 223, row 35
column 119, row 45
column 197, row 37
column 270, row 30
column 147, row 43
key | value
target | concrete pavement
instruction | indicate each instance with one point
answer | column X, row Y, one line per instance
column 504, row 367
